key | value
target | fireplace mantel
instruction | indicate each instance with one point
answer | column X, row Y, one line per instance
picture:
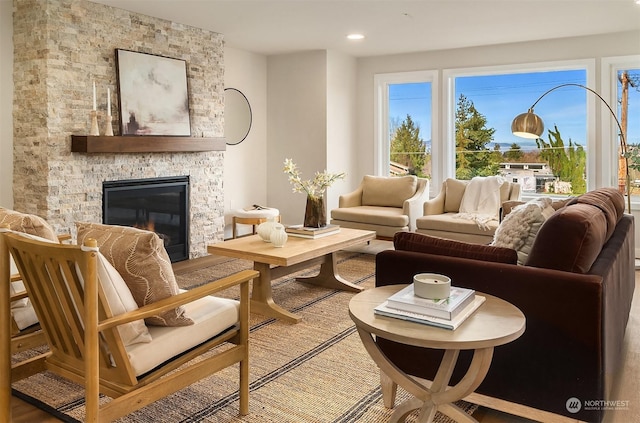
column 144, row 144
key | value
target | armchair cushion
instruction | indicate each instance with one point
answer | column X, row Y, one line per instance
column 372, row 215
column 454, row 191
column 142, row 261
column 120, row 301
column 420, row 243
column 211, row 316
column 22, row 311
column 389, row 192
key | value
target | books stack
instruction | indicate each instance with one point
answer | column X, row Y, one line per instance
column 312, row 233
column 446, row 313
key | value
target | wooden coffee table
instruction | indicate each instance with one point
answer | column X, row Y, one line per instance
column 297, row 254
column 496, row 322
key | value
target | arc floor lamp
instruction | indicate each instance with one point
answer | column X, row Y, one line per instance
column 529, row 125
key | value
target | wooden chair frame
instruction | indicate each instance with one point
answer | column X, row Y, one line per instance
column 31, row 337
column 81, row 331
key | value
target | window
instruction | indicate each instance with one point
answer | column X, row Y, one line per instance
column 621, row 89
column 484, row 105
column 405, row 123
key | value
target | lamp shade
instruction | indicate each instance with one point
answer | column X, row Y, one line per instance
column 527, row 125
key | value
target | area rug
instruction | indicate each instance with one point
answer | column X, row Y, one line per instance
column 313, row 371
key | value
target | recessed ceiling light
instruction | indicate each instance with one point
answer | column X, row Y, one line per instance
column 355, row 36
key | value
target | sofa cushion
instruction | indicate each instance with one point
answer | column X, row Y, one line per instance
column 519, row 228
column 385, row 216
column 454, row 190
column 388, row 191
column 571, row 239
column 27, row 223
column 609, row 200
column 420, row 243
column 142, row 261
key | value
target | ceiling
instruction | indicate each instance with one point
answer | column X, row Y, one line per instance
column 390, row 26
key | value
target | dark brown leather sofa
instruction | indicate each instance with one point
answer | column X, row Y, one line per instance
column 575, row 290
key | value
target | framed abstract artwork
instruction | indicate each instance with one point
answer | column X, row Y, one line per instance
column 153, row 94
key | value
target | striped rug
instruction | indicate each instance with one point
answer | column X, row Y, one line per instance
column 313, row 371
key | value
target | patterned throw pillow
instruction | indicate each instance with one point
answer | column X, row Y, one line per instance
column 519, row 228
column 142, row 261
column 32, row 225
column 27, row 223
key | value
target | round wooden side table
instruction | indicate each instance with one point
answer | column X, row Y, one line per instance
column 253, row 217
column 496, row 322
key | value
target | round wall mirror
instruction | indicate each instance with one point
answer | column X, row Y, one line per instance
column 237, row 116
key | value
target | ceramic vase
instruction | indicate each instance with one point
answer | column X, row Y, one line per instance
column 315, row 215
column 278, row 235
column 264, row 230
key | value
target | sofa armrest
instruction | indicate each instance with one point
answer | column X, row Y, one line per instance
column 436, row 204
column 412, row 207
column 352, row 199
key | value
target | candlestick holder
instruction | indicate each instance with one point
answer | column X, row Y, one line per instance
column 109, row 129
column 94, row 123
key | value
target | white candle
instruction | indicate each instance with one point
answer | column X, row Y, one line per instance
column 94, row 96
column 108, row 101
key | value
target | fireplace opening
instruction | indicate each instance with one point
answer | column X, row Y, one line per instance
column 159, row 204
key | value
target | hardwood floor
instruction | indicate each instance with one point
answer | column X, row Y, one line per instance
column 628, row 383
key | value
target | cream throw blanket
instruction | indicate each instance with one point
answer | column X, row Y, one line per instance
column 481, row 200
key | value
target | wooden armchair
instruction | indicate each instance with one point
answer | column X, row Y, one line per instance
column 86, row 346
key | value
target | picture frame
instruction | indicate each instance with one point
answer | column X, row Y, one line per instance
column 153, row 95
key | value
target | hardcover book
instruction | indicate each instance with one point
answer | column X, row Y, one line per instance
column 446, row 308
column 384, row 310
column 309, row 232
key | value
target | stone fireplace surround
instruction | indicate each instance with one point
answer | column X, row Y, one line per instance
column 60, row 47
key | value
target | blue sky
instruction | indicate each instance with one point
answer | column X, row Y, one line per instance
column 502, row 97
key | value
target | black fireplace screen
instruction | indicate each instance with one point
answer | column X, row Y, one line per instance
column 159, row 204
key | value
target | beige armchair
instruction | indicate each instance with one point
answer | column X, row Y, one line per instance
column 439, row 214
column 383, row 204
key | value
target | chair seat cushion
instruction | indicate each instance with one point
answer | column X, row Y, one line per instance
column 211, row 316
column 447, row 222
column 263, row 213
column 385, row 216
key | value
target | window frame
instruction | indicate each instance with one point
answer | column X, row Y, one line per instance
column 609, row 68
column 382, row 139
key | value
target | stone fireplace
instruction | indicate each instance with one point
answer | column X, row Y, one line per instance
column 60, row 48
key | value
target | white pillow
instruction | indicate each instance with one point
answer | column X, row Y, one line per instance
column 519, row 228
column 120, row 301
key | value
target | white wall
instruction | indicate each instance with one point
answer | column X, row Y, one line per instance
column 297, row 128
column 245, row 164
column 6, row 103
column 342, row 155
